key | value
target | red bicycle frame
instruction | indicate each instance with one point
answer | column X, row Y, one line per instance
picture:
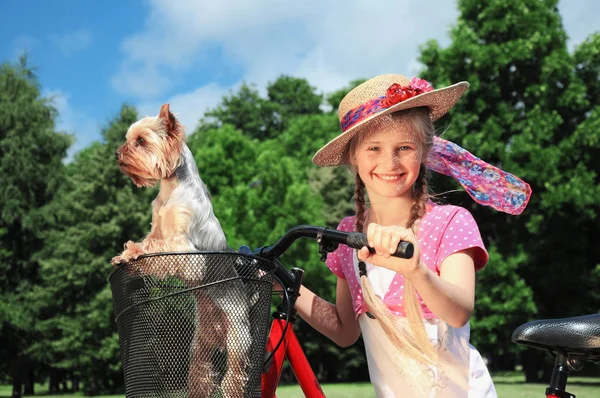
column 290, row 349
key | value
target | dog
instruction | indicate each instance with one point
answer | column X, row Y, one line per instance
column 183, row 221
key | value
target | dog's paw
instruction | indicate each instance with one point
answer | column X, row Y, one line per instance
column 132, row 251
column 117, row 261
column 130, row 255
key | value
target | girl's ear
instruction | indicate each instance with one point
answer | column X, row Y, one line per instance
column 352, row 159
column 352, row 156
column 423, row 153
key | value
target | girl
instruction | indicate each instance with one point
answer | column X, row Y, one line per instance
column 413, row 313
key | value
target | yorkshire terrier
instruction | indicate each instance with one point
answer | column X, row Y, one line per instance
column 183, row 221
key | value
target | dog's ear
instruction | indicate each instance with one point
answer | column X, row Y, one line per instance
column 167, row 117
column 172, row 126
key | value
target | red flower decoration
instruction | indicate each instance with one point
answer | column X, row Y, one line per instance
column 421, row 84
column 397, row 93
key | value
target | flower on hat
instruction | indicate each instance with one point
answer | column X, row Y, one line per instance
column 397, row 93
column 421, row 84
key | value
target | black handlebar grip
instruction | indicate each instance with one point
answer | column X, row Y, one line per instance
column 357, row 240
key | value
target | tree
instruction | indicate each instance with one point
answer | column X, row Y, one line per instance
column 294, row 97
column 96, row 210
column 263, row 118
column 258, row 191
column 500, row 291
column 302, row 139
column 247, row 112
column 528, row 110
column 31, row 152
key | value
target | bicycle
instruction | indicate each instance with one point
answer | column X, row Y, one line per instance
column 162, row 326
column 572, row 341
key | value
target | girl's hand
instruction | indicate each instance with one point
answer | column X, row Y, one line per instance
column 385, row 239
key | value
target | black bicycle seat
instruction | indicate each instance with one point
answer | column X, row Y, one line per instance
column 577, row 336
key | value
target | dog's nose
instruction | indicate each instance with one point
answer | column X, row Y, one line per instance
column 117, row 154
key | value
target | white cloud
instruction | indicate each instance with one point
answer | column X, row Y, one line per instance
column 83, row 128
column 71, row 42
column 188, row 107
column 323, row 41
column 327, row 42
column 145, row 81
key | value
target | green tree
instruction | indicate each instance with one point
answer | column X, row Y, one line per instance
column 31, row 152
column 294, row 97
column 95, row 211
column 246, row 111
column 265, row 118
column 530, row 110
column 587, row 67
column 302, row 139
column 258, row 190
column 305, row 134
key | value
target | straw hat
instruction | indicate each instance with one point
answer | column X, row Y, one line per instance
column 382, row 95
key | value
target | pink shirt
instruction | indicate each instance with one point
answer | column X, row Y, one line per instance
column 444, row 230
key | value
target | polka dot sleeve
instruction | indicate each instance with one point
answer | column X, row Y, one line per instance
column 333, row 263
column 462, row 233
column 333, row 259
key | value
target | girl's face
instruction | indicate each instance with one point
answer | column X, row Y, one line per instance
column 388, row 159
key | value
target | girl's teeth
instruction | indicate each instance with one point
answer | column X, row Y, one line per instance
column 388, row 177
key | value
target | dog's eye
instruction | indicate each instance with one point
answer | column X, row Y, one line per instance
column 140, row 141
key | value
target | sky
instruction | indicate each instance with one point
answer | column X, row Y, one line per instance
column 92, row 56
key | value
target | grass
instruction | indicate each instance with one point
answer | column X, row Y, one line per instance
column 507, row 385
column 513, row 385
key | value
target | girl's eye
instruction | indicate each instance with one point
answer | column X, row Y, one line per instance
column 404, row 148
column 373, row 148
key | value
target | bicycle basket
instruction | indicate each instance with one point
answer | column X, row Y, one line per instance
column 193, row 324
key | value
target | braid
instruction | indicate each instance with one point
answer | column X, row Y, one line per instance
column 420, row 195
column 359, row 200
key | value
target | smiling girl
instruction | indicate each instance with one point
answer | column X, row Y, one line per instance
column 413, row 314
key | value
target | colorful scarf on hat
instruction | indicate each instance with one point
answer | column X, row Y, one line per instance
column 486, row 184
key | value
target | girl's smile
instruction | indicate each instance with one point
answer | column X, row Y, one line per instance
column 389, row 177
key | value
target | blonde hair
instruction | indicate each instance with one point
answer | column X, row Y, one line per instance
column 414, row 343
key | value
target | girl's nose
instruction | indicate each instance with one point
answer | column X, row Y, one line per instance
column 393, row 159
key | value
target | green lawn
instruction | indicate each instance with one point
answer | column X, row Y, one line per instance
column 511, row 385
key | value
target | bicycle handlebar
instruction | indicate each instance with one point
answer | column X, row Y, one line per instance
column 355, row 240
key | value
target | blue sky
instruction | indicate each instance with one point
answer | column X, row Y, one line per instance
column 92, row 56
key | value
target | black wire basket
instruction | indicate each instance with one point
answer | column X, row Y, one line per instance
column 193, row 324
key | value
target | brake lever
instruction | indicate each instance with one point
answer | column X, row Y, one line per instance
column 326, row 246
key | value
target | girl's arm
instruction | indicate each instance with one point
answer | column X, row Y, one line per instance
column 335, row 321
column 451, row 295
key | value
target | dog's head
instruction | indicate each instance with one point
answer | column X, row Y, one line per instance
column 152, row 150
